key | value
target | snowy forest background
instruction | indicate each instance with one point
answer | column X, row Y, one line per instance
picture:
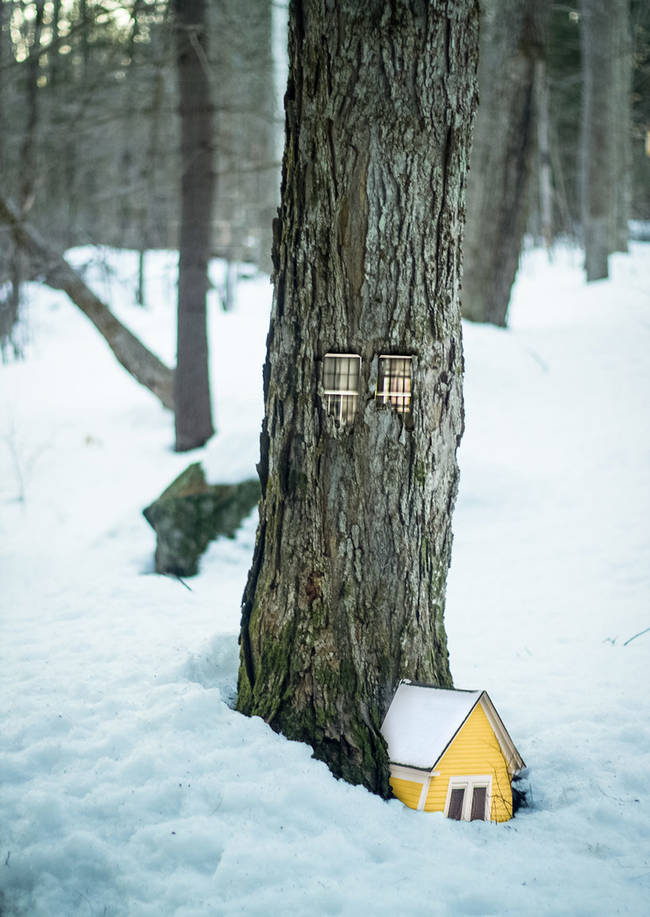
column 128, row 785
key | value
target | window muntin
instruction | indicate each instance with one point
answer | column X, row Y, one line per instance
column 341, row 373
column 394, row 383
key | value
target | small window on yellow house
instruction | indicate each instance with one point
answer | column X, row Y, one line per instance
column 341, row 373
column 468, row 798
column 394, row 383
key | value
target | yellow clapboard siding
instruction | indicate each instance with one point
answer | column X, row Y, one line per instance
column 474, row 750
column 407, row 791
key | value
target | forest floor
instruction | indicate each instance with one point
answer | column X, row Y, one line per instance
column 129, row 786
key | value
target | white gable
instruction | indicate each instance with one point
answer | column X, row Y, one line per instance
column 421, row 721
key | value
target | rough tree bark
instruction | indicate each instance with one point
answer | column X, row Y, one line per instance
column 57, row 273
column 193, row 413
column 598, row 177
column 505, row 139
column 347, row 587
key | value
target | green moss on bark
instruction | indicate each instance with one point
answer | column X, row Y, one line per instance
column 190, row 514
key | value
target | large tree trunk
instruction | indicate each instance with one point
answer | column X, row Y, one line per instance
column 598, row 142
column 505, row 139
column 193, row 413
column 57, row 273
column 347, row 588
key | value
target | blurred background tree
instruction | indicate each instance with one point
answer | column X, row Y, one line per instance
column 549, row 114
column 90, row 131
column 513, row 37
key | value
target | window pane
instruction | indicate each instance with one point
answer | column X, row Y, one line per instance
column 348, row 408
column 341, row 373
column 352, row 373
column 394, row 383
column 478, row 803
column 456, row 803
column 329, row 369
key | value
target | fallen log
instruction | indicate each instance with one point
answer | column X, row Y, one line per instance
column 55, row 271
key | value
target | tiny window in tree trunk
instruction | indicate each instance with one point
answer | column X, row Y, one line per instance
column 341, row 385
column 394, row 383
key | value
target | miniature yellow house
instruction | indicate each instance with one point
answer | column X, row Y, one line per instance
column 449, row 752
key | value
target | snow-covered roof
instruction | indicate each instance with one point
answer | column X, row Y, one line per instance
column 422, row 720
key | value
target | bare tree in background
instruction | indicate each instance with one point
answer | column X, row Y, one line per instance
column 622, row 109
column 192, row 405
column 505, row 142
column 6, row 317
column 599, row 124
column 28, row 176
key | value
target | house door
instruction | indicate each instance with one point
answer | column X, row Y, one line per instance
column 468, row 798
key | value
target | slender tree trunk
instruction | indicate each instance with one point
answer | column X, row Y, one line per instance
column 347, row 588
column 5, row 63
column 230, row 287
column 140, row 293
column 27, row 189
column 598, row 143
column 264, row 136
column 29, row 145
column 544, row 156
column 132, row 203
column 53, row 56
column 193, row 413
column 621, row 87
column 505, row 140
column 8, row 306
column 83, row 168
column 148, row 179
column 85, row 38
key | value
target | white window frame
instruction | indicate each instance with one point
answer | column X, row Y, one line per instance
column 341, row 393
column 386, row 395
column 469, row 782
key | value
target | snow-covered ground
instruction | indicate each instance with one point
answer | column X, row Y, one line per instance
column 128, row 786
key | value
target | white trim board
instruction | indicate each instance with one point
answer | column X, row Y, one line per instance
column 399, row 772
